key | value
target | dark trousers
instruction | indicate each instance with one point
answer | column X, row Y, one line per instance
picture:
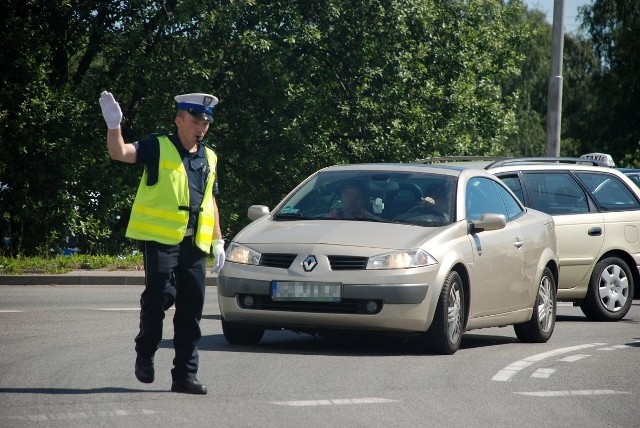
column 180, row 271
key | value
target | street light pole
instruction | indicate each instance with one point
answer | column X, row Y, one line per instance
column 554, row 92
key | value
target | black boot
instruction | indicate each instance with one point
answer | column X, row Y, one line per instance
column 188, row 386
column 144, row 369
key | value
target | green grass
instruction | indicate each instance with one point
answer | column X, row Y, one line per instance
column 62, row 264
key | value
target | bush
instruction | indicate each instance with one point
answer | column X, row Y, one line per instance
column 62, row 264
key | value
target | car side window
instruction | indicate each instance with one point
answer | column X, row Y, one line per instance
column 511, row 204
column 482, row 197
column 609, row 192
column 555, row 193
column 513, row 183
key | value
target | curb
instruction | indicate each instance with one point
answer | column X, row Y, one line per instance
column 86, row 278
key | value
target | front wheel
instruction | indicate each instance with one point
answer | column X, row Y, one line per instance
column 543, row 320
column 240, row 335
column 610, row 292
column 445, row 334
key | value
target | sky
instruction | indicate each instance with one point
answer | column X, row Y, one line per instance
column 570, row 11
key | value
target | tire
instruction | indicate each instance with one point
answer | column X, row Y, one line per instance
column 543, row 320
column 445, row 333
column 610, row 292
column 241, row 335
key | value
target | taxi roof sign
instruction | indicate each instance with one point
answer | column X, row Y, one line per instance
column 603, row 158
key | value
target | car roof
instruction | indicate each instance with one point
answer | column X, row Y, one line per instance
column 444, row 168
column 551, row 167
column 489, row 162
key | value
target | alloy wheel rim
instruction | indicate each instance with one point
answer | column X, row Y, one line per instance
column 545, row 304
column 454, row 318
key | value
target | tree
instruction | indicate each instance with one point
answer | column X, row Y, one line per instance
column 302, row 85
column 614, row 26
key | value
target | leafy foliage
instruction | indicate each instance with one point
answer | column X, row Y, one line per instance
column 302, row 84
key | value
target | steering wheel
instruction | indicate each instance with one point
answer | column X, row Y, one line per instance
column 427, row 210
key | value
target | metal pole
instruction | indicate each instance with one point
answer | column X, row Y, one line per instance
column 554, row 94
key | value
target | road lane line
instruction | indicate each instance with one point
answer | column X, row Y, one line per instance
column 574, row 358
column 333, row 402
column 543, row 373
column 572, row 392
column 97, row 414
column 512, row 369
column 613, row 348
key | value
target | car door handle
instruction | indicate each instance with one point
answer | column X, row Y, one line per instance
column 595, row 231
column 518, row 243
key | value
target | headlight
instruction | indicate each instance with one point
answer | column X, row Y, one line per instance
column 401, row 260
column 237, row 253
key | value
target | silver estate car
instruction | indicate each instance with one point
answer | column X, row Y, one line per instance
column 596, row 210
column 424, row 251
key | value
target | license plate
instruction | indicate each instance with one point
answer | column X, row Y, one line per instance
column 304, row 291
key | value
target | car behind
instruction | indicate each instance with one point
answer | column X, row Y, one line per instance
column 596, row 210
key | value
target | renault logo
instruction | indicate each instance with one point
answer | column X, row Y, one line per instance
column 309, row 263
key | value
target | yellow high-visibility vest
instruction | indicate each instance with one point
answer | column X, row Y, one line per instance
column 155, row 215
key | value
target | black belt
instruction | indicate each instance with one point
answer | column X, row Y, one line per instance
column 190, row 209
column 189, row 231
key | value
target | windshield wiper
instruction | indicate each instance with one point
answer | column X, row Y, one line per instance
column 364, row 218
column 292, row 216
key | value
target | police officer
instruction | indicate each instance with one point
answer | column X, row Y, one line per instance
column 175, row 216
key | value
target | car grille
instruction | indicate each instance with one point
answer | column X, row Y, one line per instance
column 346, row 306
column 283, row 261
column 277, row 260
column 348, row 262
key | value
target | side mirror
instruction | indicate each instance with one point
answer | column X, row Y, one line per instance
column 486, row 222
column 256, row 211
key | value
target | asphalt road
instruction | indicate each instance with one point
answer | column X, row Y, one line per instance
column 66, row 360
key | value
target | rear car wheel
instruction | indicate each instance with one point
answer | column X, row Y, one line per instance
column 543, row 320
column 445, row 334
column 241, row 335
column 610, row 292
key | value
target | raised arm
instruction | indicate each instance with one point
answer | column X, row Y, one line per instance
column 118, row 149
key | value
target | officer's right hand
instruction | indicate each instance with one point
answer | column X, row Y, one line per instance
column 110, row 110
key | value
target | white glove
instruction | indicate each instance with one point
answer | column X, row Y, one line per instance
column 110, row 110
column 218, row 253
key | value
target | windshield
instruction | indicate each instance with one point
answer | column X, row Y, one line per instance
column 402, row 197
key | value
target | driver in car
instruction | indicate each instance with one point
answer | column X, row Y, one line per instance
column 353, row 203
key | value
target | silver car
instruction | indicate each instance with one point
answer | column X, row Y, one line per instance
column 407, row 249
column 596, row 210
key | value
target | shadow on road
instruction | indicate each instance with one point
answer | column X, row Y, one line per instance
column 286, row 342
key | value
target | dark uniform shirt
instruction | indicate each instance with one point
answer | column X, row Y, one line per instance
column 195, row 164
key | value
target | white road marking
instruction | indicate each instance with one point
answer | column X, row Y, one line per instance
column 613, row 348
column 83, row 415
column 512, row 369
column 9, row 311
column 572, row 392
column 573, row 358
column 332, row 402
column 543, row 373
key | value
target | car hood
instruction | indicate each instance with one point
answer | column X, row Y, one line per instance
column 335, row 232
